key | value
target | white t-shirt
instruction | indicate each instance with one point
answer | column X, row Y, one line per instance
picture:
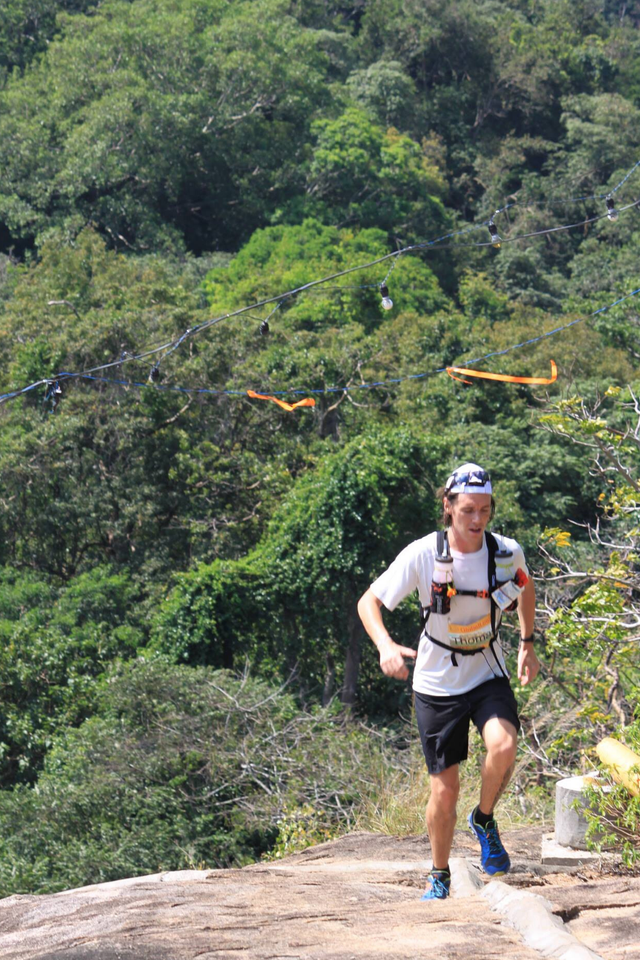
column 435, row 673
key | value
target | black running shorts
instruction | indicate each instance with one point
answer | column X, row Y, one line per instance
column 443, row 722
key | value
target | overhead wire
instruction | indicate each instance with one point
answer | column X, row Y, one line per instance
column 562, row 201
column 391, row 381
column 625, row 178
column 280, row 299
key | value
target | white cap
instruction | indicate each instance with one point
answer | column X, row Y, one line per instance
column 469, row 478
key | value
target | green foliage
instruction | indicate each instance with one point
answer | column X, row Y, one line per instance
column 333, row 535
column 601, row 139
column 322, row 338
column 54, row 643
column 361, row 174
column 27, row 26
column 282, row 258
column 255, row 107
column 213, row 84
column 385, row 91
column 105, row 480
column 299, row 828
column 212, row 530
column 592, row 589
column 209, row 616
column 290, row 605
column 613, row 813
column 181, row 767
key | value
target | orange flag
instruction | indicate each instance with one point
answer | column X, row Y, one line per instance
column 307, row 402
column 504, row 377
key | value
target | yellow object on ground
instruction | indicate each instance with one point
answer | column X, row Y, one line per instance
column 620, row 760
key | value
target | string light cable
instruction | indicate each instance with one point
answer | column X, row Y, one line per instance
column 558, row 202
column 625, row 178
column 370, row 385
column 168, row 347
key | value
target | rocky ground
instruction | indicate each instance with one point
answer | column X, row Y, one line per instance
column 357, row 898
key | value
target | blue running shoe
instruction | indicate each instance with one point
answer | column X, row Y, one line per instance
column 438, row 885
column 493, row 856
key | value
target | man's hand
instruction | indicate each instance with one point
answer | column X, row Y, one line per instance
column 392, row 659
column 528, row 664
column 391, row 653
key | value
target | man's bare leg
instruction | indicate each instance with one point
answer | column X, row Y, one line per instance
column 441, row 814
column 501, row 740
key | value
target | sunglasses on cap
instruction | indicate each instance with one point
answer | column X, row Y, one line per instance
column 472, row 478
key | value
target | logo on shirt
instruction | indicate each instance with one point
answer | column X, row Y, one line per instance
column 471, row 636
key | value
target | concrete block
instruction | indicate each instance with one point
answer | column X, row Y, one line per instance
column 532, row 916
column 554, row 853
column 571, row 804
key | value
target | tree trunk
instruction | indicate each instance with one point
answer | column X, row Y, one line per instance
column 329, row 680
column 227, row 651
column 352, row 664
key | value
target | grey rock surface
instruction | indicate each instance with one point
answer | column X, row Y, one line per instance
column 357, row 898
column 603, row 912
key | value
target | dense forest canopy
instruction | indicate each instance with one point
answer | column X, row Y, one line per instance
column 166, row 163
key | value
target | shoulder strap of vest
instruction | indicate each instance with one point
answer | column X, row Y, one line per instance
column 441, row 541
column 493, row 546
column 492, row 549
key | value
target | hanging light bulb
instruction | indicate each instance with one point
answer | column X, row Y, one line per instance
column 154, row 373
column 496, row 239
column 264, row 328
column 387, row 302
column 56, row 395
column 612, row 213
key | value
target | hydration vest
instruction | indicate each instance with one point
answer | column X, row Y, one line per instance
column 467, row 646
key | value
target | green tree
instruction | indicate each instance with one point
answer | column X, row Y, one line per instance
column 109, row 477
column 361, row 174
column 181, row 768
column 55, row 642
column 27, row 26
column 386, row 91
column 591, row 588
column 225, row 89
column 291, row 604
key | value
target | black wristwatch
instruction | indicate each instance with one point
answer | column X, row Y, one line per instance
column 529, row 639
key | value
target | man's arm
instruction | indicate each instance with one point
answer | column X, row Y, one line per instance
column 391, row 653
column 528, row 663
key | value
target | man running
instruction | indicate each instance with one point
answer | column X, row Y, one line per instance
column 464, row 578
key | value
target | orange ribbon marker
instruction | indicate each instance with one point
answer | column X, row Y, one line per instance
column 503, row 377
column 307, row 402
